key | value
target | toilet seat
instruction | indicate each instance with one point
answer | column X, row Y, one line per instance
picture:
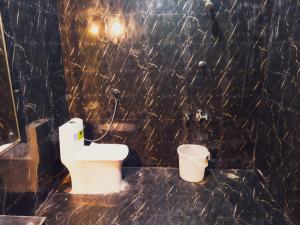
column 96, row 152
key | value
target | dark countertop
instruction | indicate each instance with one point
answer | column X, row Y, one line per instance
column 21, row 220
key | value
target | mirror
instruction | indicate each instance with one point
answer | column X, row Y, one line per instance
column 9, row 130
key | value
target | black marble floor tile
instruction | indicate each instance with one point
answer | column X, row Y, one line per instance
column 249, row 198
column 159, row 196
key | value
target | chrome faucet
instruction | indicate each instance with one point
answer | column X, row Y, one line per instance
column 188, row 117
column 201, row 116
column 202, row 65
column 197, row 117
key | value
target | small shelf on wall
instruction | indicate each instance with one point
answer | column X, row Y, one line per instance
column 21, row 220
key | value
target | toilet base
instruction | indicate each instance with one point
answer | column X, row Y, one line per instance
column 95, row 177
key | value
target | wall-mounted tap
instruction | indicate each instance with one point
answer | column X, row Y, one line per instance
column 194, row 118
column 201, row 116
column 188, row 117
column 116, row 94
column 208, row 6
column 202, row 65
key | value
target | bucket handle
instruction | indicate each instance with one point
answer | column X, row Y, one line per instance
column 207, row 156
column 196, row 163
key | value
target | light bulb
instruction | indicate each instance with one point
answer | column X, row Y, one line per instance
column 94, row 29
column 116, row 28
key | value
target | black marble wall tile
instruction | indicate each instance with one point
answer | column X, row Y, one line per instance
column 35, row 58
column 277, row 124
column 155, row 67
column 154, row 142
column 36, row 67
column 277, row 154
column 285, row 23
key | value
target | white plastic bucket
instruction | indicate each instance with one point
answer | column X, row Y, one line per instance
column 193, row 159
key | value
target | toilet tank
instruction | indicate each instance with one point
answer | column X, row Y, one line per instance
column 71, row 138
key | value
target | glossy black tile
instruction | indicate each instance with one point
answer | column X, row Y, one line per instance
column 155, row 67
column 35, row 60
column 249, row 87
column 159, row 196
column 277, row 140
column 245, row 191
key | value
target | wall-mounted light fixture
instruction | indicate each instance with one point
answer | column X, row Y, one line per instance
column 115, row 28
column 94, row 29
column 109, row 28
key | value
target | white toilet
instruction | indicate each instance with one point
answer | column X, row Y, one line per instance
column 94, row 169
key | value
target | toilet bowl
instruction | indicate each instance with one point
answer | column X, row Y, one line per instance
column 94, row 169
